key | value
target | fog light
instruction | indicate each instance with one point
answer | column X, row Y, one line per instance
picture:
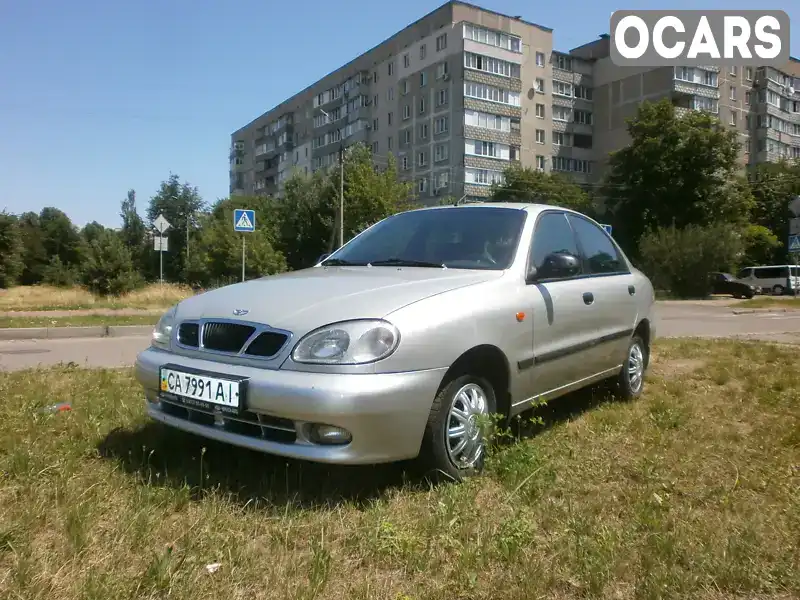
column 328, row 434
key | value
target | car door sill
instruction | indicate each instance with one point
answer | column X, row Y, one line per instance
column 518, row 407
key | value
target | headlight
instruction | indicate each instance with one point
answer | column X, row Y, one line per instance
column 163, row 329
column 348, row 343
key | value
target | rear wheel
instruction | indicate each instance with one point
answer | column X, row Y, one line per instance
column 454, row 444
column 630, row 381
column 778, row 290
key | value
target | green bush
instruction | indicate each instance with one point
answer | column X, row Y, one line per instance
column 679, row 260
column 57, row 274
column 11, row 249
column 109, row 269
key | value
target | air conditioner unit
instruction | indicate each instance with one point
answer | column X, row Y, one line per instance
column 791, row 90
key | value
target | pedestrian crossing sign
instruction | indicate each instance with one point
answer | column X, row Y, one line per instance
column 244, row 220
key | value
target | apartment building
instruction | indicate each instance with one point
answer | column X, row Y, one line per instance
column 463, row 92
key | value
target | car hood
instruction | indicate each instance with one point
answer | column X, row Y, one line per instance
column 302, row 300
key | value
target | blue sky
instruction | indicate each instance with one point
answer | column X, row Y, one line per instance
column 98, row 97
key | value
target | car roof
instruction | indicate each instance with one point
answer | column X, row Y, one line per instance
column 530, row 207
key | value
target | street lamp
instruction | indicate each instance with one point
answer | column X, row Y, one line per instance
column 341, row 184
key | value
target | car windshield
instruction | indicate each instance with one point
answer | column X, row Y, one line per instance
column 452, row 237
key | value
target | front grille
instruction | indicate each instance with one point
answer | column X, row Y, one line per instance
column 267, row 344
column 226, row 337
column 189, row 334
column 248, row 423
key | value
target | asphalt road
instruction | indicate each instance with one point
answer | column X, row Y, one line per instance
column 674, row 319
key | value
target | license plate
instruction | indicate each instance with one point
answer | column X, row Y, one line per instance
column 203, row 389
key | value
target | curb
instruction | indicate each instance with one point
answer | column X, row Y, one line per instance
column 56, row 333
column 750, row 311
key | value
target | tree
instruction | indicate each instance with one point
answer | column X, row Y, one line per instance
column 773, row 185
column 34, row 254
column 108, row 269
column 11, row 250
column 680, row 259
column 63, row 245
column 524, row 184
column 219, row 255
column 133, row 232
column 91, row 231
column 181, row 205
column 677, row 170
column 309, row 224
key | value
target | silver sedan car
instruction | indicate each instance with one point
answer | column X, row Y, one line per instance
column 404, row 341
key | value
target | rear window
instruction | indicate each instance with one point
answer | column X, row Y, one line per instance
column 771, row 273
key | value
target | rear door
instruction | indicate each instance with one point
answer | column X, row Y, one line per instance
column 610, row 281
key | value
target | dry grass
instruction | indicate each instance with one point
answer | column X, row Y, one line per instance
column 771, row 302
column 42, row 297
column 77, row 321
column 692, row 491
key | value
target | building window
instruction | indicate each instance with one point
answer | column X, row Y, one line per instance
column 422, row 186
column 540, row 59
column 733, row 118
column 561, row 139
column 407, row 136
column 442, row 180
column 404, row 87
column 375, row 124
column 441, row 70
column 561, row 113
column 706, row 104
column 562, row 89
column 404, row 162
column 440, row 125
column 482, row 176
column 389, row 143
column 491, row 93
column 748, row 73
column 492, row 38
column 423, row 79
column 563, row 62
column 423, row 131
column 583, row 92
column 540, row 162
column 442, row 97
column 747, row 98
column 488, row 149
column 483, row 120
column 540, row 111
column 406, row 112
column 421, row 105
column 487, row 64
column 390, row 69
column 374, row 147
column 733, row 70
column 747, row 146
column 539, row 85
column 422, row 52
column 390, row 94
column 406, row 61
column 540, row 136
column 584, row 117
column 421, row 159
column 440, row 152
column 441, row 42
column 389, row 118
column 733, row 93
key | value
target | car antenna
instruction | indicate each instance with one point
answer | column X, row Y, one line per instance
column 457, row 202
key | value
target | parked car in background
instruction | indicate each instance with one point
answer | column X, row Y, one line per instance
column 777, row 279
column 727, row 284
column 401, row 343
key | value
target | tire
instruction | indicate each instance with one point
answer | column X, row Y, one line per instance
column 777, row 290
column 627, row 386
column 466, row 393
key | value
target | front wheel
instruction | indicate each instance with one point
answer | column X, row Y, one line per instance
column 454, row 443
column 778, row 290
column 630, row 381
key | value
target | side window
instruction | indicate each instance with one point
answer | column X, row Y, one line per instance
column 743, row 274
column 601, row 255
column 552, row 235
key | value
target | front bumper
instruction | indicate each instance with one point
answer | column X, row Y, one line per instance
column 385, row 413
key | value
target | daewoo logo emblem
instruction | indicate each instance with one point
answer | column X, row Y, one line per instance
column 240, row 311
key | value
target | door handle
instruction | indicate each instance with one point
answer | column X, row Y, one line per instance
column 588, row 298
column 631, row 290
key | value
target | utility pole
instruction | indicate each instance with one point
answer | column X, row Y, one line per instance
column 341, row 195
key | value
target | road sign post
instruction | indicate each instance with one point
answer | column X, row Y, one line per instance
column 160, row 243
column 244, row 221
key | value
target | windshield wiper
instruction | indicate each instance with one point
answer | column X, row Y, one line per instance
column 402, row 262
column 340, row 262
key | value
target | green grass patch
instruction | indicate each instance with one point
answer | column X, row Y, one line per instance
column 77, row 321
column 767, row 302
column 691, row 491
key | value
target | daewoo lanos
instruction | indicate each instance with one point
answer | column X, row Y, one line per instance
column 398, row 344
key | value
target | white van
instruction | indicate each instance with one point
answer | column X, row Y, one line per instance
column 772, row 278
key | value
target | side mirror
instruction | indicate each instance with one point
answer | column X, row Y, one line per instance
column 559, row 265
column 323, row 257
